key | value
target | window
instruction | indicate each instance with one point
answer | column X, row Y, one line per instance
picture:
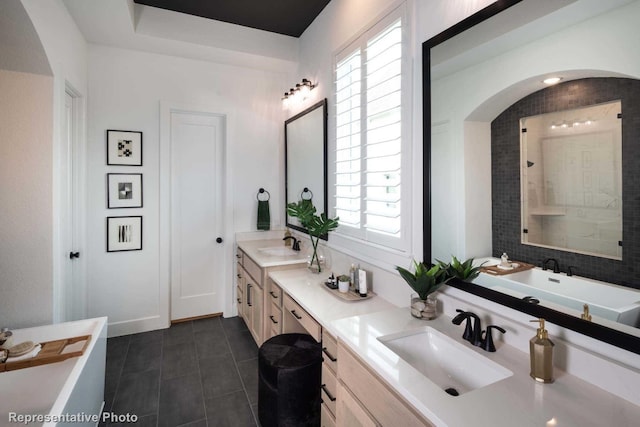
column 370, row 106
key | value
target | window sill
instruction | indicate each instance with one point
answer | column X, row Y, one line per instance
column 382, row 257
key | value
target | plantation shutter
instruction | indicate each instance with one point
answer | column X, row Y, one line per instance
column 369, row 136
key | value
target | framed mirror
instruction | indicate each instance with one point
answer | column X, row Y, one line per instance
column 305, row 141
column 473, row 73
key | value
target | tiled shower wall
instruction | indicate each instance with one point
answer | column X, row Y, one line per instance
column 505, row 185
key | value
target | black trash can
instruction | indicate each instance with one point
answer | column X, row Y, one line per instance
column 289, row 376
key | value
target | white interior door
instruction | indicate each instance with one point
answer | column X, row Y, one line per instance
column 197, row 273
column 69, row 291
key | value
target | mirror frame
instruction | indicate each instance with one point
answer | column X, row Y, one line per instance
column 602, row 333
column 323, row 104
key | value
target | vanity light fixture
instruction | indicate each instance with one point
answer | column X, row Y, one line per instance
column 297, row 94
column 551, row 80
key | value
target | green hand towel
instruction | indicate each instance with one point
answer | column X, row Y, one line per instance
column 264, row 219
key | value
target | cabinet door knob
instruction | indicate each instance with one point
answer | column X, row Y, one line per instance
column 219, row 240
column 73, row 255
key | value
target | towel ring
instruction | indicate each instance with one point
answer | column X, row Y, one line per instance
column 262, row 191
column 306, row 190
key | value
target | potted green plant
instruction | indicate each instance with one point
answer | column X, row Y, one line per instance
column 425, row 281
column 461, row 270
column 316, row 226
column 343, row 283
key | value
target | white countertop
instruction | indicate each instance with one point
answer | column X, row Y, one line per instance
column 321, row 302
column 515, row 401
column 251, row 248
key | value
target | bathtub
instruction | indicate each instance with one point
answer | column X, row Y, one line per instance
column 58, row 391
column 617, row 303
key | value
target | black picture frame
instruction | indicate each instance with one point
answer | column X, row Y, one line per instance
column 124, row 147
column 123, row 239
column 133, row 197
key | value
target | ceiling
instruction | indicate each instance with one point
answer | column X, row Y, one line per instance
column 286, row 17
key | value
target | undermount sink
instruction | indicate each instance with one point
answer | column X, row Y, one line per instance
column 448, row 364
column 278, row 251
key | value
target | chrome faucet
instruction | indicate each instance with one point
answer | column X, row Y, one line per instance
column 556, row 266
column 296, row 243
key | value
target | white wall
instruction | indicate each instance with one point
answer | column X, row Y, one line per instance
column 125, row 91
column 66, row 51
column 35, row 123
column 25, row 199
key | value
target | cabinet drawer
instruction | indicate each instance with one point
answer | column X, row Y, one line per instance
column 326, row 418
column 275, row 318
column 275, row 293
column 350, row 412
column 384, row 404
column 329, row 351
column 328, row 392
column 252, row 268
column 303, row 318
column 240, row 273
column 239, row 298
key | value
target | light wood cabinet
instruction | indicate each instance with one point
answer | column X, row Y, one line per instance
column 296, row 319
column 257, row 305
column 274, row 315
column 350, row 412
column 250, row 301
column 239, row 299
column 326, row 418
column 383, row 404
column 257, row 292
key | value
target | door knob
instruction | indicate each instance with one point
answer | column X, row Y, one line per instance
column 73, row 255
column 219, row 240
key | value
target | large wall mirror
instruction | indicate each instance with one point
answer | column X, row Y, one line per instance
column 482, row 79
column 305, row 139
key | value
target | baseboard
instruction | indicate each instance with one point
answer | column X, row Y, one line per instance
column 135, row 326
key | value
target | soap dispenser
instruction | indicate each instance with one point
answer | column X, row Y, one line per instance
column 541, row 352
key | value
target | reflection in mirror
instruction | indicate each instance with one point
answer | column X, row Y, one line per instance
column 306, row 159
column 472, row 73
column 571, row 175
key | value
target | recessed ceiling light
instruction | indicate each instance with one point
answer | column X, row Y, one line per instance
column 551, row 80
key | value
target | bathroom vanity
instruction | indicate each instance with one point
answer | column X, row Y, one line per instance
column 310, row 307
column 369, row 376
column 255, row 259
column 381, row 366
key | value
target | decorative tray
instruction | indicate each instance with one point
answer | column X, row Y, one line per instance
column 350, row 296
column 496, row 270
column 51, row 352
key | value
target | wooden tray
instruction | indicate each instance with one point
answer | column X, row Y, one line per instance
column 52, row 352
column 497, row 271
column 348, row 296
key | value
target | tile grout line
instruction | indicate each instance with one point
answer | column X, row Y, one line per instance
column 204, row 404
column 244, row 387
column 115, row 394
column 160, row 379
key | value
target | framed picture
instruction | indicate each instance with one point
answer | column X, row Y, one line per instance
column 124, row 233
column 124, row 148
column 124, row 190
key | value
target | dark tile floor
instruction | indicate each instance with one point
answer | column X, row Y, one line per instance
column 199, row 373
